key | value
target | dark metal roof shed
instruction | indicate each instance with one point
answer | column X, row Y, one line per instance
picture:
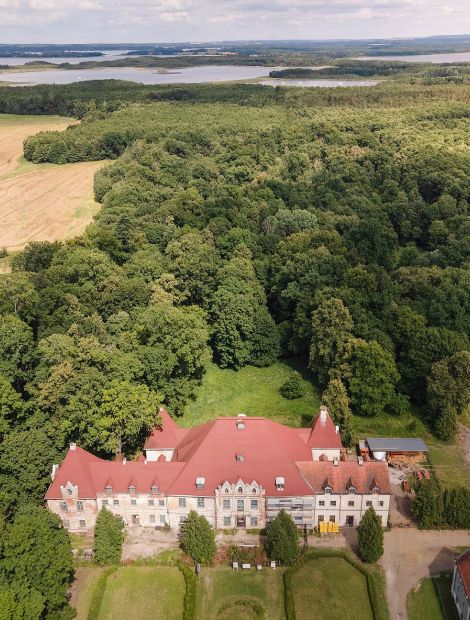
column 396, row 444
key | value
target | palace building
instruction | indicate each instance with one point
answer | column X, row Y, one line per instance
column 238, row 472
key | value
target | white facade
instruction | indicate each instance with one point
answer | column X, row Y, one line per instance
column 460, row 596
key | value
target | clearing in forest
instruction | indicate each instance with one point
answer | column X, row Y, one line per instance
column 40, row 202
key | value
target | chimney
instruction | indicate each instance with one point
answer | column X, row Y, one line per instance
column 323, row 415
column 124, row 461
column 337, row 429
column 360, row 460
column 73, row 446
column 335, row 462
column 54, row 471
column 145, row 461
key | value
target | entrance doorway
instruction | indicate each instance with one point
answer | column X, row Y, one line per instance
column 350, row 521
column 241, row 521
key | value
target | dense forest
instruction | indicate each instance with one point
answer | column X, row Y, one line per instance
column 238, row 224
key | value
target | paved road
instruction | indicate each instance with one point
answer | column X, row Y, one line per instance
column 410, row 555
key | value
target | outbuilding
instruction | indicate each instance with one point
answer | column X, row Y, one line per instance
column 396, row 450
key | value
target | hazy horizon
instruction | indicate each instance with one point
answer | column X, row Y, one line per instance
column 180, row 21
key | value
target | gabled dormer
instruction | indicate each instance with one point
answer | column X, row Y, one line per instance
column 69, row 490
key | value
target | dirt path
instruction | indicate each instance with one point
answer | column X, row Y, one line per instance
column 410, row 555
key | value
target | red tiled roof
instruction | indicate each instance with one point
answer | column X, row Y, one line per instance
column 463, row 566
column 266, row 450
column 167, row 435
column 365, row 476
column 323, row 433
column 92, row 475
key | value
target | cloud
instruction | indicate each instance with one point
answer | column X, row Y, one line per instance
column 185, row 20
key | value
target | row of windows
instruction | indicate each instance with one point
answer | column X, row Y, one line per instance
column 200, row 502
column 227, row 504
column 240, row 490
column 228, row 521
column 350, row 504
column 150, row 502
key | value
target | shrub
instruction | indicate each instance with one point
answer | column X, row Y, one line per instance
column 198, row 538
column 108, row 538
column 282, row 541
column 428, row 506
column 293, row 387
column 371, row 537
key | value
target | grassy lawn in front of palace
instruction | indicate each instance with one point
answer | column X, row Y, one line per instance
column 138, row 592
column 226, row 595
column 330, row 588
column 428, row 599
column 254, row 391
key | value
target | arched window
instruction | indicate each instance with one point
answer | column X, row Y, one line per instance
column 69, row 491
column 226, row 490
column 240, row 490
column 253, row 490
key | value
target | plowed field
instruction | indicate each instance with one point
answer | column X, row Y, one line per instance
column 40, row 202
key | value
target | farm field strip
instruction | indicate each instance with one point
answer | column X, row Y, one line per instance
column 41, row 202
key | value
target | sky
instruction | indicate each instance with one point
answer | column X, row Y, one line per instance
column 139, row 21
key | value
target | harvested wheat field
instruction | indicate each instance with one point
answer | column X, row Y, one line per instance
column 40, row 202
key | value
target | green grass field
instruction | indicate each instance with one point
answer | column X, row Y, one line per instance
column 254, row 391
column 222, row 592
column 7, row 120
column 430, row 597
column 86, row 578
column 330, row 588
column 139, row 592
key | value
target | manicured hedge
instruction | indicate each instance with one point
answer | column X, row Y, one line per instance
column 258, row 610
column 190, row 595
column 375, row 591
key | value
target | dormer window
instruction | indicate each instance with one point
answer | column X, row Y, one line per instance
column 240, row 425
column 239, row 457
column 69, row 491
column 280, row 482
column 351, row 486
column 132, row 489
column 254, row 490
column 154, row 489
column 328, row 489
column 200, row 482
column 374, row 486
column 352, row 490
column 108, row 489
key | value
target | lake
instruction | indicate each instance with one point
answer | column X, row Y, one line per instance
column 434, row 58
column 13, row 61
column 318, row 83
column 187, row 75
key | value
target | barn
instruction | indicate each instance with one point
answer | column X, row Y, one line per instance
column 396, row 450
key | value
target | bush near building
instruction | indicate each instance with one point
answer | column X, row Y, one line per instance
column 282, row 540
column 370, row 537
column 108, row 538
column 198, row 539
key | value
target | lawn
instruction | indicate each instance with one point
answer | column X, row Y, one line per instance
column 138, row 592
column 254, row 391
column 330, row 588
column 428, row 599
column 86, row 578
column 227, row 595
